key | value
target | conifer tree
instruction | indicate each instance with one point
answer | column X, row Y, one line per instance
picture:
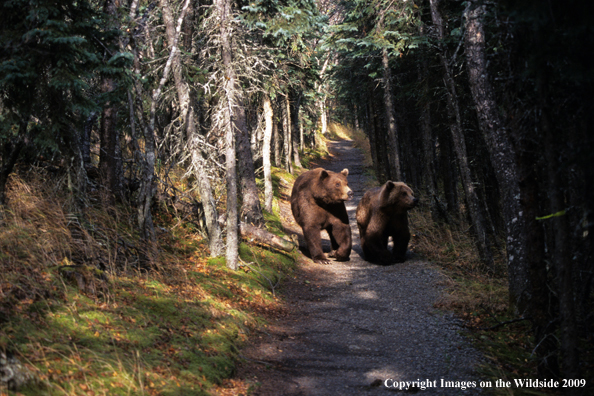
column 50, row 55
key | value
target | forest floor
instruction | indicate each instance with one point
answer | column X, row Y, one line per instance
column 351, row 328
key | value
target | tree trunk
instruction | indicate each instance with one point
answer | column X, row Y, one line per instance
column 265, row 238
column 294, row 109
column 448, row 173
column 109, row 136
column 370, row 131
column 230, row 90
column 277, row 143
column 251, row 211
column 187, row 109
column 86, row 139
column 393, row 149
column 323, row 116
column 482, row 240
column 145, row 195
column 268, row 118
column 109, row 140
column 524, row 241
column 382, row 170
column 322, row 101
column 10, row 154
column 287, row 138
column 437, row 213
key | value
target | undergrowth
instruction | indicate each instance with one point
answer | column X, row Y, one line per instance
column 81, row 313
column 477, row 296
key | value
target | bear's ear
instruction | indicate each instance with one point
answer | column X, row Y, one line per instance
column 345, row 172
column 324, row 174
column 385, row 192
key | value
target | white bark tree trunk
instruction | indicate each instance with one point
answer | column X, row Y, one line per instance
column 266, row 163
column 198, row 163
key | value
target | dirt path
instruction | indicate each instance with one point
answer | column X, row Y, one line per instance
column 350, row 326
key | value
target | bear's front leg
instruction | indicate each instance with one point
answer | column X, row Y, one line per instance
column 313, row 240
column 400, row 247
column 375, row 248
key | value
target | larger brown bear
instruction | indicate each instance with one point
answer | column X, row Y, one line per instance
column 317, row 203
column 382, row 213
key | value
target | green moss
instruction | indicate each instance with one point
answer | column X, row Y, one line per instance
column 174, row 329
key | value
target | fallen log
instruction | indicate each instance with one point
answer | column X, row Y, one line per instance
column 266, row 238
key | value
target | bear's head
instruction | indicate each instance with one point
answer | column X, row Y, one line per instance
column 334, row 187
column 397, row 196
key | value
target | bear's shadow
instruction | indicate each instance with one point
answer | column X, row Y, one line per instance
column 356, row 248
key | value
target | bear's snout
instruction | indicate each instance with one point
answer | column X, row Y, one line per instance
column 350, row 194
column 415, row 201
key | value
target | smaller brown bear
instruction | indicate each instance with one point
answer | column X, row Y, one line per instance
column 317, row 203
column 382, row 213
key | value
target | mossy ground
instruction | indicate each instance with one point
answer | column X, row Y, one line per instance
column 173, row 329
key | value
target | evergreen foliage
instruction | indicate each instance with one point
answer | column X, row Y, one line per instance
column 51, row 53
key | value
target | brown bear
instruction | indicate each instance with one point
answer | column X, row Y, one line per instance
column 317, row 203
column 382, row 213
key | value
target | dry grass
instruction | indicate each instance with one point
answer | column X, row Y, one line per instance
column 452, row 249
column 115, row 327
column 477, row 296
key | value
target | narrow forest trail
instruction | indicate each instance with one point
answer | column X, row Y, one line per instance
column 349, row 326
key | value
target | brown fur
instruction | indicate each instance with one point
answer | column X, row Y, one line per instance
column 317, row 203
column 382, row 213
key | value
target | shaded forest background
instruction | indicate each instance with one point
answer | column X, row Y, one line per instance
column 483, row 107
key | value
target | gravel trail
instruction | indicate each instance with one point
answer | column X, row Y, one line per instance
column 350, row 326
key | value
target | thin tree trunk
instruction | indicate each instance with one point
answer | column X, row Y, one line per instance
column 393, row 149
column 376, row 139
column 109, row 140
column 230, row 89
column 10, row 155
column 370, row 132
column 109, row 135
column 287, row 139
column 294, row 109
column 199, row 164
column 301, row 137
column 428, row 146
column 322, row 101
column 86, row 139
column 145, row 196
column 323, row 116
column 478, row 223
column 268, row 118
column 251, row 211
column 448, row 173
column 277, row 144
